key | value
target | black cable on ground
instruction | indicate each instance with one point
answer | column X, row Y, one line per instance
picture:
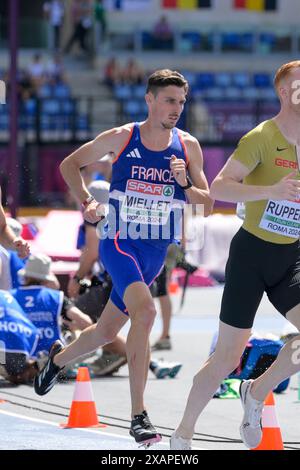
column 223, row 438
column 213, row 438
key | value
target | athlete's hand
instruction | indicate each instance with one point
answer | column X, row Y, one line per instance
column 94, row 212
column 178, row 168
column 22, row 247
column 288, row 188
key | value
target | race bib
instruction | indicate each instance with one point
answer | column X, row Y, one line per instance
column 147, row 203
column 282, row 217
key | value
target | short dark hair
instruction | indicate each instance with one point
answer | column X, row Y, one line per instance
column 165, row 77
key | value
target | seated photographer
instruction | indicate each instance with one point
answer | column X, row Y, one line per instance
column 18, row 342
column 47, row 308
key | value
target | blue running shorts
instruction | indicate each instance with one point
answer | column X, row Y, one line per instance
column 129, row 261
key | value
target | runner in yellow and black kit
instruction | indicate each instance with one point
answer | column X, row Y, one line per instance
column 269, row 234
column 264, row 256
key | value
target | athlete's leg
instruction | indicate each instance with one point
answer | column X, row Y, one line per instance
column 140, row 305
column 286, row 299
column 132, row 268
column 147, row 364
column 286, row 364
column 162, row 282
column 241, row 297
column 230, row 347
column 99, row 334
column 166, row 313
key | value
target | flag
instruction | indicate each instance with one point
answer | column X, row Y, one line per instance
column 256, row 5
column 186, row 4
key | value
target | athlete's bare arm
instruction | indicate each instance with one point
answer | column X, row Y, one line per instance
column 112, row 140
column 8, row 238
column 228, row 185
column 199, row 193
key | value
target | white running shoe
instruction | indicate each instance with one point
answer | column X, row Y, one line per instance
column 178, row 443
column 162, row 369
column 251, row 428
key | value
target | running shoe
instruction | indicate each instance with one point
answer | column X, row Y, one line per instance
column 46, row 378
column 178, row 443
column 251, row 427
column 174, row 369
column 147, row 423
column 162, row 369
column 163, row 344
column 143, row 431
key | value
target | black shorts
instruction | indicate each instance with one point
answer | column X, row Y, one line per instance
column 159, row 287
column 255, row 266
column 93, row 301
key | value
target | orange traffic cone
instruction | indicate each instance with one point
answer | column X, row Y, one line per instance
column 173, row 284
column 272, row 439
column 83, row 412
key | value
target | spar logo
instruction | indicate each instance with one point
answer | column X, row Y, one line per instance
column 168, row 191
column 149, row 188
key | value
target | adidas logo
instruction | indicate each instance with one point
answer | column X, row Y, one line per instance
column 134, row 154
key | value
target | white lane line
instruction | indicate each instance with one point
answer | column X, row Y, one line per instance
column 94, row 431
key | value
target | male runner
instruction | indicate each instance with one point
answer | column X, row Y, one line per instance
column 94, row 299
column 149, row 184
column 264, row 256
